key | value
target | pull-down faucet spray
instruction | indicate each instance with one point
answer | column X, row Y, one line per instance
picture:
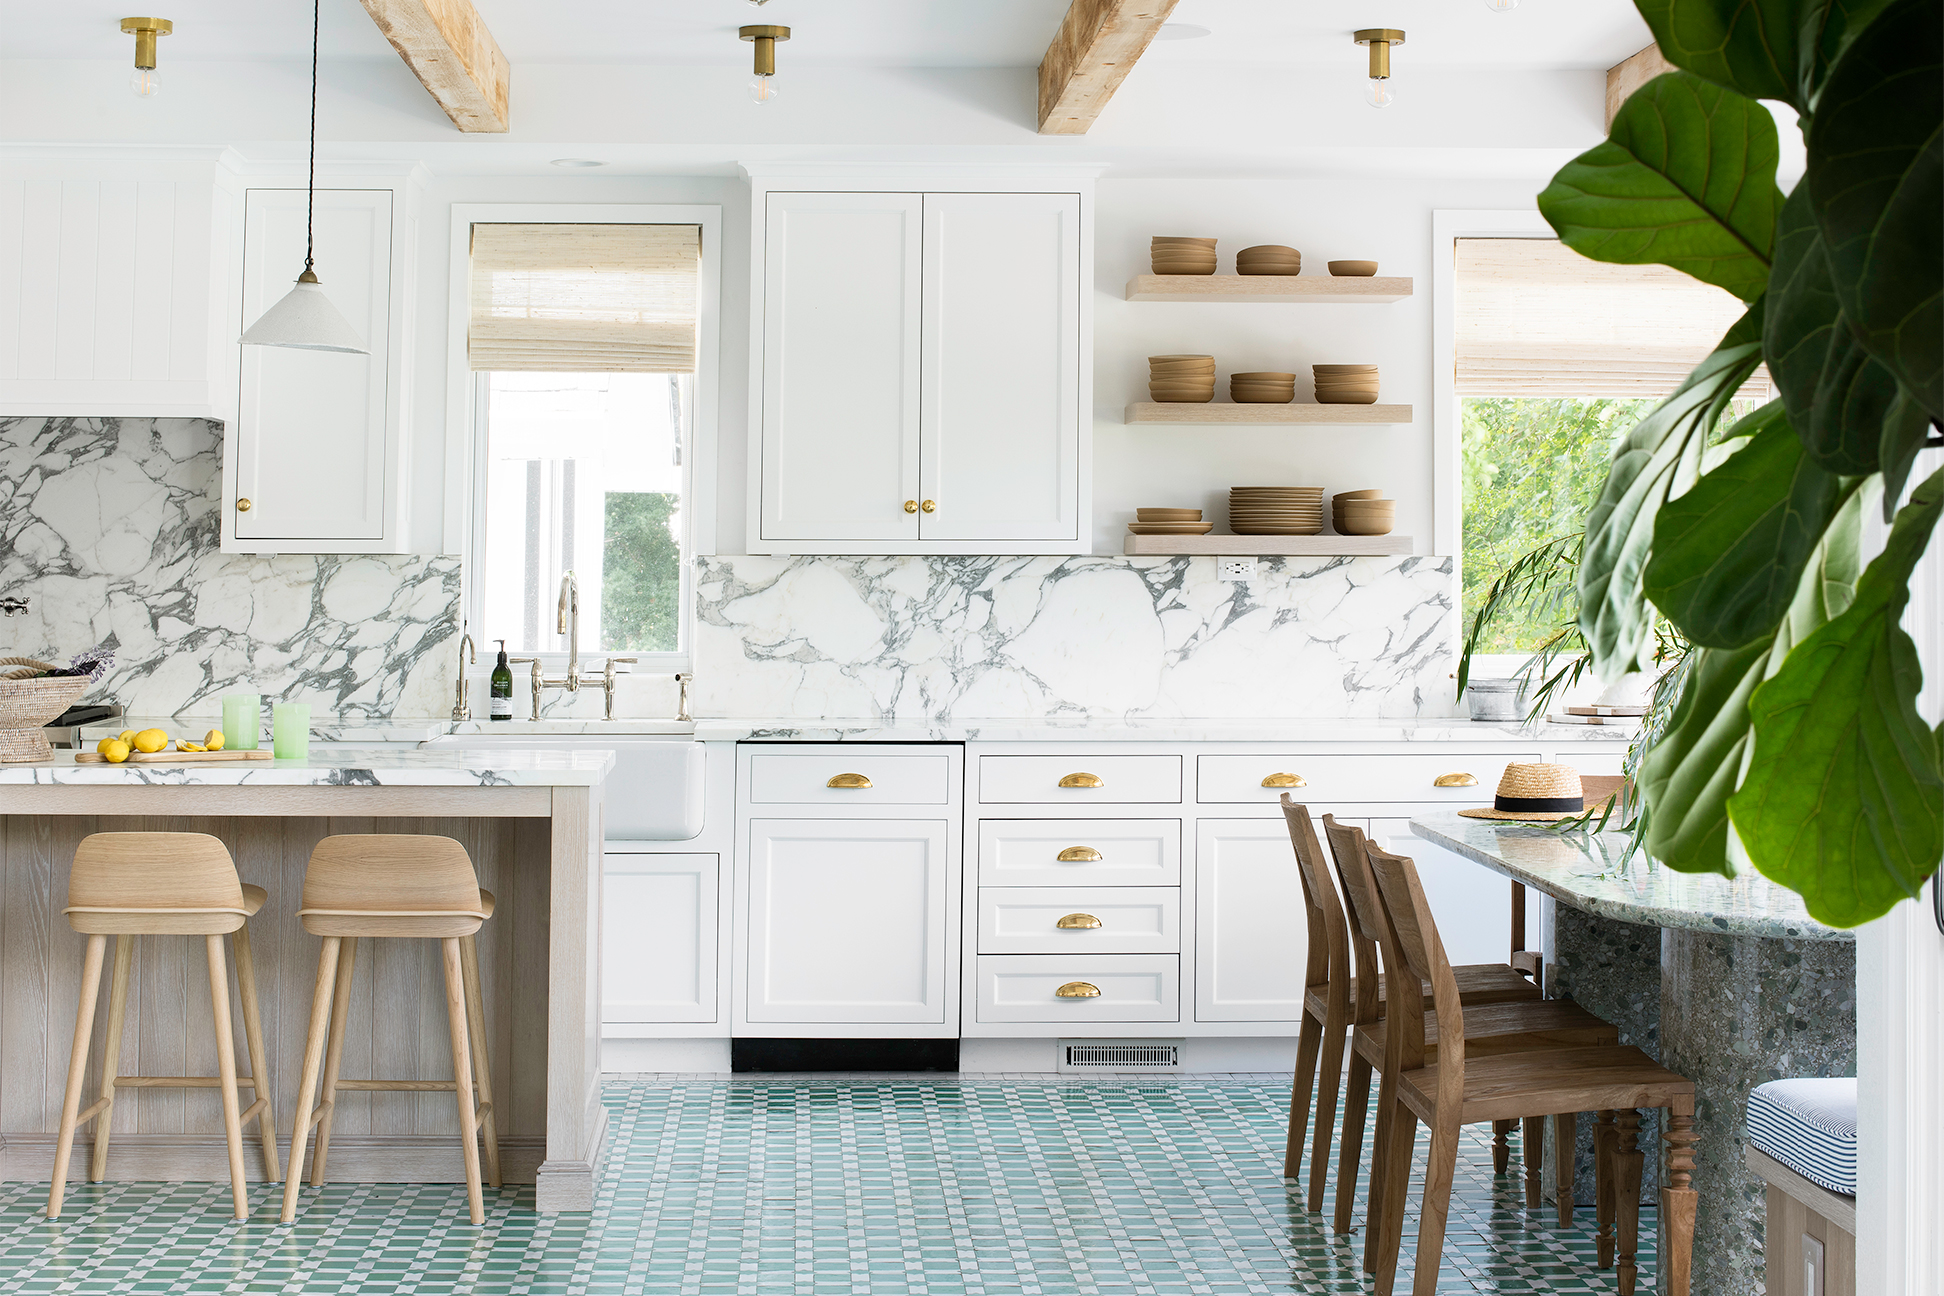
column 569, row 625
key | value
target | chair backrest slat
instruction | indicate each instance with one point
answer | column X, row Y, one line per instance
column 1329, row 951
column 1366, row 935
column 1422, row 952
column 154, row 872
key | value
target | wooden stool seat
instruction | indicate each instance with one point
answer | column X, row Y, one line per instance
column 1503, row 1028
column 136, row 884
column 1512, row 1085
column 382, row 886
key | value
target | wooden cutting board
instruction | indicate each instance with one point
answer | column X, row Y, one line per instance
column 176, row 758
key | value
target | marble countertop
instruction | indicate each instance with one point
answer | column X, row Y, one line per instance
column 333, row 729
column 1095, row 729
column 341, row 766
column 1583, row 870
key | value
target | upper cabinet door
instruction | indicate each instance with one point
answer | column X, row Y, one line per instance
column 842, row 282
column 1001, row 371
column 314, row 438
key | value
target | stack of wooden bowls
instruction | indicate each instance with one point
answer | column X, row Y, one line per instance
column 1269, row 259
column 1345, row 384
column 1262, row 388
column 1169, row 521
column 1183, row 256
column 1276, row 510
column 1363, row 513
column 1182, row 379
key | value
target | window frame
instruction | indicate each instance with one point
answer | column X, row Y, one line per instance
column 465, row 495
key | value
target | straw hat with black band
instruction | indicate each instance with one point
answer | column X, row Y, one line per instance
column 1534, row 793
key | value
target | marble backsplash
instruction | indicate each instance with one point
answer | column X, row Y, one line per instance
column 1002, row 637
column 109, row 528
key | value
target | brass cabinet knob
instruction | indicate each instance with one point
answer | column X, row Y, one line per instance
column 1080, row 855
column 1082, row 781
column 930, row 506
column 1285, row 780
column 1078, row 922
column 1455, row 780
column 911, row 506
column 242, row 506
column 1078, row 990
column 847, row 781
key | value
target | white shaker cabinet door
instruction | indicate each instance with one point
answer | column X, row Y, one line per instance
column 848, row 921
column 842, row 282
column 658, row 938
column 314, row 438
column 1251, row 931
column 1471, row 904
column 1001, row 421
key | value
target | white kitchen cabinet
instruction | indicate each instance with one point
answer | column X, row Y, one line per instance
column 1471, row 904
column 658, row 939
column 923, row 370
column 1251, row 930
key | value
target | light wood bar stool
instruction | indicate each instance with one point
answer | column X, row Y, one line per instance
column 394, row 885
column 134, row 884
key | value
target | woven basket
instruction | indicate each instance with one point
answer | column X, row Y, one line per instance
column 26, row 705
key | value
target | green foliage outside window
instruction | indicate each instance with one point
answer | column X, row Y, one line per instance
column 641, row 573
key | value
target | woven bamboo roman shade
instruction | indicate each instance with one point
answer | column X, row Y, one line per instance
column 584, row 298
column 1536, row 318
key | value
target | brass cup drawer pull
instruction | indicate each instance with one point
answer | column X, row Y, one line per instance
column 1078, row 990
column 1285, row 780
column 1078, row 922
column 848, row 781
column 1083, row 781
column 1455, row 780
column 1080, row 855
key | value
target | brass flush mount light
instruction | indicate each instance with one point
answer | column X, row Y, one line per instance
column 1380, row 40
column 765, row 36
column 144, row 83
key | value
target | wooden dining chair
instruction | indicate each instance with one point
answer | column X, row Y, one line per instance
column 1452, row 1089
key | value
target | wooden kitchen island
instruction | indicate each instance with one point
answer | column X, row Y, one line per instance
column 532, row 822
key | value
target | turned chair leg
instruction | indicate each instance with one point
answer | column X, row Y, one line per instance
column 1307, row 1044
column 77, row 1069
column 1532, row 1151
column 1356, row 1110
column 320, row 1020
column 1627, row 1161
column 1678, row 1198
column 1565, row 1149
column 462, row 1077
column 482, row 1063
column 1501, row 1150
column 111, row 1055
column 333, row 1055
column 259, row 1055
column 1606, row 1145
column 1329, row 1083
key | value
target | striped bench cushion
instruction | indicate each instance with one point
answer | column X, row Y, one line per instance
column 1810, row 1127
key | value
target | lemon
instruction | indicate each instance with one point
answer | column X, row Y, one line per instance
column 185, row 745
column 151, row 740
column 126, row 735
column 213, row 740
column 113, row 750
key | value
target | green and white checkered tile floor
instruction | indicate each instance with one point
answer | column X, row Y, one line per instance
column 830, row 1184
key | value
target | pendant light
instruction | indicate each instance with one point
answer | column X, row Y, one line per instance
column 1380, row 40
column 305, row 318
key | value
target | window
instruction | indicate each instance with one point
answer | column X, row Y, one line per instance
column 583, row 339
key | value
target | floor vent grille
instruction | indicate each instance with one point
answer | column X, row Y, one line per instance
column 1120, row 1055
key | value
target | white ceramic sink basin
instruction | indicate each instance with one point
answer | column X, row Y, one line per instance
column 655, row 791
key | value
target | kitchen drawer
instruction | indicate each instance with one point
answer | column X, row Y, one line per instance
column 1129, row 920
column 1109, row 779
column 779, row 778
column 1103, row 852
column 1133, row 987
column 1335, row 778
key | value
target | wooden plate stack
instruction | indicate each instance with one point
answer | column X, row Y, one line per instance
column 1353, row 269
column 1345, row 384
column 1182, row 379
column 1183, row 256
column 1262, row 388
column 1363, row 513
column 1276, row 510
column 1269, row 259
column 1169, row 521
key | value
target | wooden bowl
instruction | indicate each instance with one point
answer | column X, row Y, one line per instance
column 1346, row 398
column 1168, row 514
column 1183, row 398
column 1176, row 240
column 1353, row 269
column 1264, row 377
column 1344, row 497
column 1364, row 526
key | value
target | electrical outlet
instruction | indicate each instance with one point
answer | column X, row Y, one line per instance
column 1238, row 569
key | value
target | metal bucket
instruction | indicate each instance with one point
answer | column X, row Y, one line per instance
column 1500, row 700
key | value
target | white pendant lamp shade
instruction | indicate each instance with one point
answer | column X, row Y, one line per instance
column 306, row 320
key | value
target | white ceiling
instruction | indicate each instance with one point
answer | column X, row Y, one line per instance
column 888, row 33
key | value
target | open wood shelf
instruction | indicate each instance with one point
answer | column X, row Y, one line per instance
column 1230, row 413
column 1266, row 288
column 1270, row 546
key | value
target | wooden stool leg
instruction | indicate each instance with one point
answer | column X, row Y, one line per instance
column 1307, row 1043
column 1439, row 1169
column 1380, row 1163
column 1565, row 1146
column 259, row 1055
column 226, row 1071
column 1356, row 1110
column 333, row 1053
column 1627, row 1160
column 1387, row 1238
column 1501, row 1150
column 77, row 1069
column 111, row 1055
column 1329, row 1083
column 1532, row 1151
column 1606, row 1143
column 1678, row 1198
column 482, row 1063
column 462, row 1076
column 320, row 1020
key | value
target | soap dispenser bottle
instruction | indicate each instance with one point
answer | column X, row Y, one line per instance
column 501, row 705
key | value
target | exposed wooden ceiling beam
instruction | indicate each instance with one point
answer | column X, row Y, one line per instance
column 447, row 46
column 1631, row 73
column 1096, row 47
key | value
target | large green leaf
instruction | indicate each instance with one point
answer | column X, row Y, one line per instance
column 1766, row 49
column 1687, row 778
column 1728, row 554
column 1904, row 429
column 1686, row 179
column 1661, row 457
column 1843, row 801
column 1876, row 181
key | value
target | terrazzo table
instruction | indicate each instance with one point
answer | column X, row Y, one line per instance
column 530, row 820
column 1727, row 981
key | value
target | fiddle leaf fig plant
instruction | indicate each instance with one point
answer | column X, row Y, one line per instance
column 1796, row 735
